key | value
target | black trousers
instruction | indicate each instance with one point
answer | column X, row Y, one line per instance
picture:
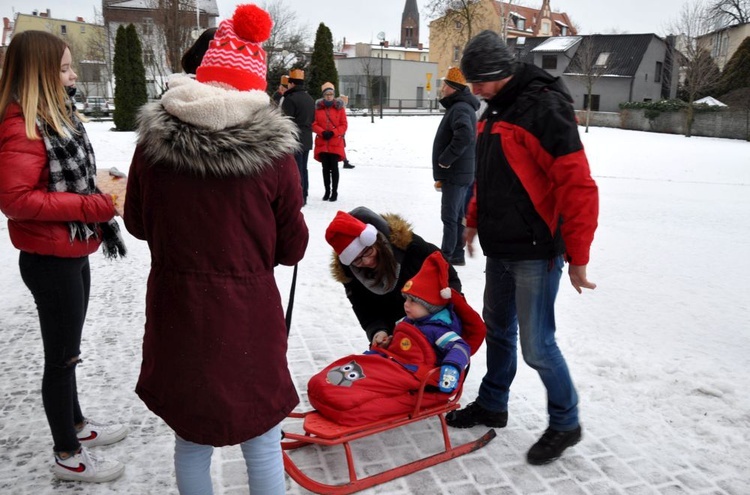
column 330, row 164
column 61, row 288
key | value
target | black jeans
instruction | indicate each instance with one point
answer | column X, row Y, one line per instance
column 60, row 287
column 330, row 163
column 301, row 158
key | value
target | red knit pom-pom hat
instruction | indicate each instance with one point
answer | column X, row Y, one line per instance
column 430, row 284
column 236, row 57
column 349, row 236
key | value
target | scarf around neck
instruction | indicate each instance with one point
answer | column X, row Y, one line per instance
column 72, row 168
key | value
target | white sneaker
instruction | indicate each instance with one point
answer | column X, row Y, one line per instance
column 94, row 434
column 85, row 466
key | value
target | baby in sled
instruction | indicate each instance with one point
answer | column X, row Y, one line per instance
column 440, row 330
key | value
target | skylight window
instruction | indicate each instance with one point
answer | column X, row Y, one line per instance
column 602, row 59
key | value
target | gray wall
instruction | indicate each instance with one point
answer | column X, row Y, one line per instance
column 644, row 87
column 405, row 80
column 724, row 124
column 611, row 90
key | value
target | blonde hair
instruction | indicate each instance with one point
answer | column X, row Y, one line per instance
column 31, row 77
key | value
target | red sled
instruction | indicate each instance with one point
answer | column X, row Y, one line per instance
column 318, row 429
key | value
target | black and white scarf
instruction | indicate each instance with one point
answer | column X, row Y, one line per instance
column 72, row 168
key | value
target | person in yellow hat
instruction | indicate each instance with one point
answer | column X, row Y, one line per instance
column 300, row 106
column 330, row 127
column 453, row 160
column 278, row 95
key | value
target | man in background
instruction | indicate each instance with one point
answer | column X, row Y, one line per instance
column 453, row 158
column 300, row 106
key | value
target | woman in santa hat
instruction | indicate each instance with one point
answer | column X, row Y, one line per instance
column 374, row 256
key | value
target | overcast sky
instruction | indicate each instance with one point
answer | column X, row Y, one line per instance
column 362, row 20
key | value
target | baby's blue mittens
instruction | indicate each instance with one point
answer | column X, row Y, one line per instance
column 448, row 378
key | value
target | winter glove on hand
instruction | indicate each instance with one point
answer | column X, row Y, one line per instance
column 448, row 378
column 438, row 185
column 327, row 135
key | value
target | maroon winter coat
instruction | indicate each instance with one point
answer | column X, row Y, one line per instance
column 220, row 209
column 37, row 218
column 331, row 118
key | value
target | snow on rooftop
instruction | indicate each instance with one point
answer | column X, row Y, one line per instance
column 557, row 44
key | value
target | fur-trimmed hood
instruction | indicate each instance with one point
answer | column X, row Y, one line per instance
column 397, row 230
column 215, row 131
column 337, row 103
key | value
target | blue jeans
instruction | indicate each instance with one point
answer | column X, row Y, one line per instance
column 301, row 158
column 265, row 465
column 61, row 288
column 519, row 299
column 452, row 211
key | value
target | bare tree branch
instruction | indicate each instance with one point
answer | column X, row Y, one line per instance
column 729, row 12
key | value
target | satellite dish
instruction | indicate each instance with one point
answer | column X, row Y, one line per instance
column 196, row 33
column 381, row 35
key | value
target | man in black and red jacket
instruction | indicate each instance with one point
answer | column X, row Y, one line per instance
column 535, row 207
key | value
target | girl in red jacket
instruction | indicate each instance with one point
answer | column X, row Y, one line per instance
column 329, row 126
column 56, row 218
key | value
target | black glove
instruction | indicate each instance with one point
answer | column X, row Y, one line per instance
column 327, row 135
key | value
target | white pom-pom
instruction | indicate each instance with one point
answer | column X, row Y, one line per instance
column 445, row 293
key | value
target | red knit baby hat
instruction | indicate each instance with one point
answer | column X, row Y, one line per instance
column 430, row 284
column 236, row 56
column 349, row 236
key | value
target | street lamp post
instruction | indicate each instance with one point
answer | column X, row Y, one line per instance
column 380, row 86
column 383, row 44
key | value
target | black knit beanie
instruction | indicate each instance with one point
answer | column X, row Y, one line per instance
column 486, row 58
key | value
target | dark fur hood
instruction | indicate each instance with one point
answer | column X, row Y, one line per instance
column 214, row 131
column 396, row 229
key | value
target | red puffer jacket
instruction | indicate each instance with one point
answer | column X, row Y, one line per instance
column 37, row 218
column 331, row 118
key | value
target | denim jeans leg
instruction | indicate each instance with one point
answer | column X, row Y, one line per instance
column 265, row 464
column 499, row 315
column 451, row 214
column 60, row 287
column 192, row 467
column 537, row 283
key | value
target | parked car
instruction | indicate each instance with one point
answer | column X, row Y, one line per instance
column 96, row 106
column 80, row 101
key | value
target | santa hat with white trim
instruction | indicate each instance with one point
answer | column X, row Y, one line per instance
column 349, row 236
column 430, row 285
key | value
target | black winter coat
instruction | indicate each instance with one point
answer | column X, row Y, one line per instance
column 300, row 106
column 455, row 139
column 377, row 312
column 535, row 195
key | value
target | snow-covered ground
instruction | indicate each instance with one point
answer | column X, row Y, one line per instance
column 660, row 351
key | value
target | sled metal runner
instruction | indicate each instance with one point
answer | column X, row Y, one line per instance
column 320, row 431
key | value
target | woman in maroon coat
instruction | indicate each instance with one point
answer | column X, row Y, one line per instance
column 215, row 191
column 329, row 126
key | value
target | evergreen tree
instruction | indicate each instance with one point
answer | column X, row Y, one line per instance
column 130, row 78
column 322, row 68
column 736, row 73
